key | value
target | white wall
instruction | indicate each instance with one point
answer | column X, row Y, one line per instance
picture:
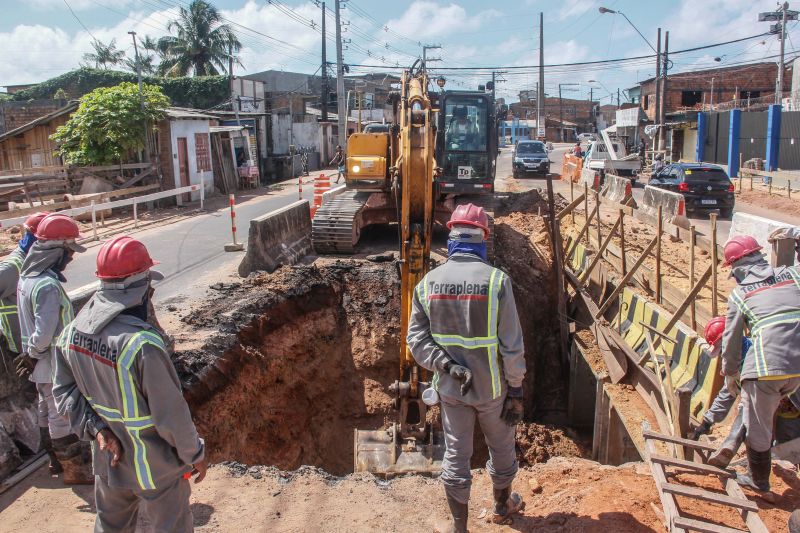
column 280, row 133
column 187, row 129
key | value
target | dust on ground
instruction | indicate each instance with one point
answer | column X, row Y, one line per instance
column 778, row 200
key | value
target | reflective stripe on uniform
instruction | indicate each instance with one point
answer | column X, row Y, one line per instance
column 495, row 282
column 66, row 305
column 6, row 311
column 130, row 403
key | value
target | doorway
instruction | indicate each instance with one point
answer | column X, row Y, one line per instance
column 183, row 167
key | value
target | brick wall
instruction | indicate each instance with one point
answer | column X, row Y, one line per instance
column 16, row 114
column 758, row 78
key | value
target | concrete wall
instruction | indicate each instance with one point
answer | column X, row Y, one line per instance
column 281, row 237
column 188, row 129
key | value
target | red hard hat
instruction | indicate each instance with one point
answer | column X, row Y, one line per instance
column 121, row 257
column 714, row 330
column 57, row 227
column 470, row 215
column 738, row 247
column 32, row 222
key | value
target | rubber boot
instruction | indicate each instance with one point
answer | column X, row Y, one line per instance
column 460, row 512
column 702, row 429
column 506, row 503
column 47, row 445
column 75, row 456
column 725, row 454
column 759, row 468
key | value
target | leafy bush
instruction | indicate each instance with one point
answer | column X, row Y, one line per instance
column 108, row 126
column 202, row 92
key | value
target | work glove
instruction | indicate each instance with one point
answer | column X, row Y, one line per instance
column 24, row 364
column 733, row 385
column 512, row 408
column 784, row 233
column 461, row 373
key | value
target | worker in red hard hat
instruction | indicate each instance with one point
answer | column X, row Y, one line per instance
column 465, row 329
column 115, row 384
column 766, row 301
column 10, row 268
column 44, row 309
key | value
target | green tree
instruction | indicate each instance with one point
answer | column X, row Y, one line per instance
column 147, row 56
column 107, row 128
column 201, row 44
column 105, row 54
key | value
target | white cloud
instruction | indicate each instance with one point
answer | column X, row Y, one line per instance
column 76, row 5
column 425, row 19
column 574, row 8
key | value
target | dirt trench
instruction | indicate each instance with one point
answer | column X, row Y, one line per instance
column 291, row 363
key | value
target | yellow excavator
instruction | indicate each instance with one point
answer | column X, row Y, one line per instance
column 396, row 176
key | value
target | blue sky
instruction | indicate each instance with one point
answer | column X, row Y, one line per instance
column 41, row 38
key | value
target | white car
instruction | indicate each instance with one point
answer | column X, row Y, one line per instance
column 583, row 137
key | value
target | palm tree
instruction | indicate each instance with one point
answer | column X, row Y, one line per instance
column 105, row 55
column 149, row 47
column 201, row 45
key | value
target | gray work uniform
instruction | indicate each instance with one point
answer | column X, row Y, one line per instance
column 464, row 311
column 9, row 278
column 44, row 309
column 724, row 400
column 767, row 303
column 116, row 373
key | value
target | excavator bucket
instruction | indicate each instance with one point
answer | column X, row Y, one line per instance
column 382, row 453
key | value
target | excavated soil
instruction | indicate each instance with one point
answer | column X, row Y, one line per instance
column 279, row 369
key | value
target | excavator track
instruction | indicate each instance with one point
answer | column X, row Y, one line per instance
column 336, row 226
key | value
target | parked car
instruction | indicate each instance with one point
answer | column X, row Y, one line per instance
column 530, row 156
column 705, row 187
column 583, row 137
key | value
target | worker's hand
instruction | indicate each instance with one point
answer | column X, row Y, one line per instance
column 462, row 374
column 513, row 408
column 109, row 442
column 786, row 232
column 24, row 364
column 733, row 385
column 199, row 470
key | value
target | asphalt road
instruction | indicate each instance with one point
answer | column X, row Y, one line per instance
column 192, row 247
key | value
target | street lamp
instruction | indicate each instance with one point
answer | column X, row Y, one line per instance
column 611, row 94
column 606, row 10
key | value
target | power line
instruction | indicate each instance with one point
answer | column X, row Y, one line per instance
column 79, row 20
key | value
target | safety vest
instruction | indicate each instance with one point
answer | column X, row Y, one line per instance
column 487, row 342
column 764, row 325
column 67, row 313
column 131, row 410
column 8, row 311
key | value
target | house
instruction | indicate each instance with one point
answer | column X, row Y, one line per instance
column 28, row 146
column 184, row 149
column 579, row 114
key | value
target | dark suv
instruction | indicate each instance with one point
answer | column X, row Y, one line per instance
column 531, row 156
column 705, row 187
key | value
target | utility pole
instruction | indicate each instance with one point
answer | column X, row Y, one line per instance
column 324, row 99
column 358, row 95
column 141, row 96
column 662, row 111
column 782, row 16
column 540, row 113
column 658, row 88
column 425, row 57
column 235, row 99
column 340, row 97
column 618, row 102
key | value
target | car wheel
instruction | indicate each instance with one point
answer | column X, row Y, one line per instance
column 727, row 214
column 515, row 175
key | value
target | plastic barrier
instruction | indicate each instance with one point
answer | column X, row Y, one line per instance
column 579, row 260
column 322, row 184
column 591, row 178
column 672, row 204
column 618, row 189
column 757, row 227
column 281, row 237
column 691, row 363
column 571, row 168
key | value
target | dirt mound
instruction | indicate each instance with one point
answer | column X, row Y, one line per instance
column 537, row 444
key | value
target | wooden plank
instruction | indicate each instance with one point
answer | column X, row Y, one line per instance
column 33, row 464
column 668, row 502
column 752, row 520
column 626, row 278
column 567, row 210
column 708, row 496
column 691, row 465
column 599, row 255
column 580, row 234
column 647, row 434
column 126, row 166
column 704, row 527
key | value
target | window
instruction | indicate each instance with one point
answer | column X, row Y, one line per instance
column 647, row 100
column 465, row 124
column 744, row 95
column 691, row 98
column 202, row 151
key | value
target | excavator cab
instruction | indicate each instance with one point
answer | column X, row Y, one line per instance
column 466, row 145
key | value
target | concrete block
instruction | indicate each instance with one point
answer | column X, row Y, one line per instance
column 330, row 194
column 281, row 237
column 618, row 189
column 673, row 207
column 757, row 227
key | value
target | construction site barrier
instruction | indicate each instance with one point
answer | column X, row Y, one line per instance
column 690, row 362
column 591, row 178
column 571, row 168
column 330, row 194
column 322, row 184
column 578, row 259
column 281, row 237
column 757, row 227
column 672, row 204
column 618, row 189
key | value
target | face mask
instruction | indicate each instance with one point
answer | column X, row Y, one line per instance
column 141, row 311
column 27, row 241
column 474, row 248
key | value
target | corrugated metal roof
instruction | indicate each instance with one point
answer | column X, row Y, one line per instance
column 185, row 113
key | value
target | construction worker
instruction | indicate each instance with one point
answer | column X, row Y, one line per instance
column 464, row 327
column 10, row 268
column 724, row 400
column 115, row 384
column 766, row 301
column 44, row 310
